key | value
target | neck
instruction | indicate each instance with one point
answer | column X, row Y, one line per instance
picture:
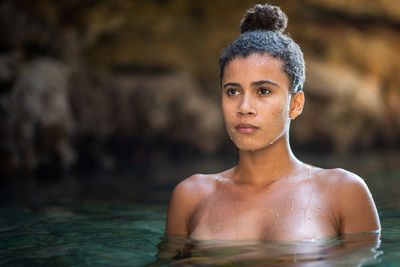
column 266, row 165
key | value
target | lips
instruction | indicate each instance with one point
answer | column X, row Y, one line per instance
column 246, row 128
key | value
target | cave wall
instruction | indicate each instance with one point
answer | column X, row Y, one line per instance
column 86, row 81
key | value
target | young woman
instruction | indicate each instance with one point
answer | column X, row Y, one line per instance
column 270, row 194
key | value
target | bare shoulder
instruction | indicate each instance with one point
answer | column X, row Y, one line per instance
column 339, row 178
column 196, row 186
column 185, row 197
column 350, row 198
column 342, row 186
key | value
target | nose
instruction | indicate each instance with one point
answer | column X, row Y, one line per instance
column 245, row 107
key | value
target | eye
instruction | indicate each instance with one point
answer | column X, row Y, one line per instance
column 232, row 91
column 264, row 91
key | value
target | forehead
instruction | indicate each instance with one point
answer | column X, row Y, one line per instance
column 254, row 68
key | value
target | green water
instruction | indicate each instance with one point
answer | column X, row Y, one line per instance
column 81, row 235
column 93, row 234
column 99, row 233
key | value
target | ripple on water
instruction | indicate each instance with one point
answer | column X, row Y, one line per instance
column 129, row 235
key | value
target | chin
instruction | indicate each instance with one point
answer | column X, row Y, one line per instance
column 253, row 144
column 249, row 146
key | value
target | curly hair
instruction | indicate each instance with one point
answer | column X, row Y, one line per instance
column 262, row 32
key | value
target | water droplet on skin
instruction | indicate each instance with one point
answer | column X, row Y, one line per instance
column 312, row 190
column 291, row 202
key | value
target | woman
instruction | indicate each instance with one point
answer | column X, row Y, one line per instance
column 270, row 194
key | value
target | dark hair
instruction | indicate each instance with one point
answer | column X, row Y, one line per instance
column 262, row 32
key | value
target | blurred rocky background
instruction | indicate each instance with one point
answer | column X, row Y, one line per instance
column 132, row 86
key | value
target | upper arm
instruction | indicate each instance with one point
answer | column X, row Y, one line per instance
column 180, row 208
column 357, row 211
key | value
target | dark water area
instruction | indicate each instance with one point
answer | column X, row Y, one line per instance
column 92, row 234
column 118, row 220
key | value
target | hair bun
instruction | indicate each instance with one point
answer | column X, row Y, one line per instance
column 265, row 18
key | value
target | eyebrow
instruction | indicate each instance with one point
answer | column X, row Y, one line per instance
column 257, row 83
column 233, row 84
column 263, row 82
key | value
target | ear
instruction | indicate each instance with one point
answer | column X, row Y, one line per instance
column 296, row 104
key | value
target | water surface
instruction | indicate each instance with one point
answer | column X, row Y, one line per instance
column 130, row 233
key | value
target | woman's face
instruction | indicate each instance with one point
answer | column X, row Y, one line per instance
column 255, row 101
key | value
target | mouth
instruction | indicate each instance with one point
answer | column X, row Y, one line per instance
column 246, row 128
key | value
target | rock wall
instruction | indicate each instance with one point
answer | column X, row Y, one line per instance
column 89, row 81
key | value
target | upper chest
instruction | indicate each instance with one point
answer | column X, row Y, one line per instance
column 290, row 213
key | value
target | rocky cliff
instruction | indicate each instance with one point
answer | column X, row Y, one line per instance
column 84, row 82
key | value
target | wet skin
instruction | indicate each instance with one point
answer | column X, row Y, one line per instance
column 270, row 194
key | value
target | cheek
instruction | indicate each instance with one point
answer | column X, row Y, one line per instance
column 227, row 111
column 280, row 113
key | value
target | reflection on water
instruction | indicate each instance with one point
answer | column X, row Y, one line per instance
column 104, row 234
column 84, row 233
column 350, row 250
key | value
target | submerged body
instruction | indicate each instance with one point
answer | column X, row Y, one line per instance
column 310, row 204
column 270, row 194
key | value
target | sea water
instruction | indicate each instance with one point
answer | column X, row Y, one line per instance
column 93, row 234
column 97, row 233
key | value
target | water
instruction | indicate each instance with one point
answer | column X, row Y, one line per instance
column 353, row 249
column 80, row 235
column 93, row 234
column 98, row 233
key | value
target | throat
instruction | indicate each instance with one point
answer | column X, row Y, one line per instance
column 266, row 165
column 262, row 173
